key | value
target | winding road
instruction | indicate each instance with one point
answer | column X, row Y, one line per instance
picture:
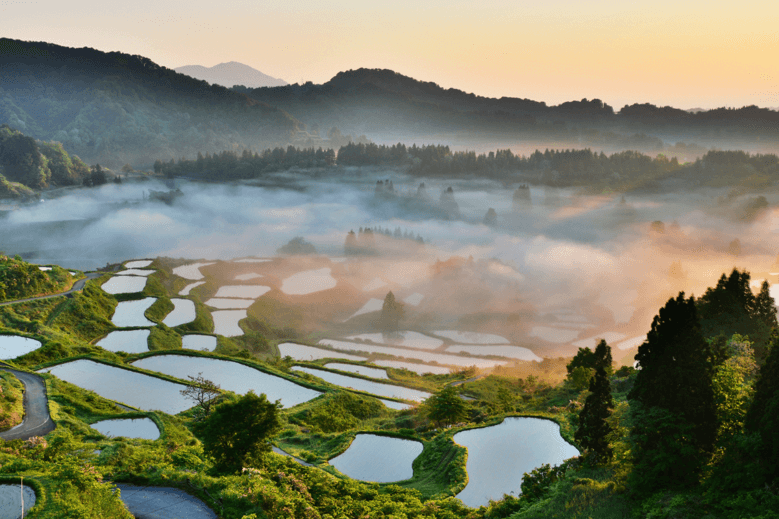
column 77, row 286
column 37, row 421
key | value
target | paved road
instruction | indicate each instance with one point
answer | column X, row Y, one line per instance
column 162, row 503
column 37, row 421
column 77, row 286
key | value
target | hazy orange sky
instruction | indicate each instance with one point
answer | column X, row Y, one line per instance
column 684, row 54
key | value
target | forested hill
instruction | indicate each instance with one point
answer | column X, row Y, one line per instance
column 115, row 108
column 388, row 106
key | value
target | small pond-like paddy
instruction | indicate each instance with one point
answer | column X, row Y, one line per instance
column 183, row 312
column 135, row 272
column 131, row 313
column 308, row 282
column 472, row 337
column 408, row 339
column 198, row 342
column 11, row 500
column 121, row 385
column 227, row 303
column 232, row 376
column 137, row 264
column 513, row 352
column 420, row 369
column 499, row 455
column 124, row 285
column 424, row 356
column 245, row 291
column 142, row 428
column 191, row 271
column 360, row 370
column 395, row 405
column 252, row 260
column 247, row 277
column 12, row 346
column 187, row 289
column 129, row 341
column 374, row 388
column 379, row 459
column 373, row 305
column 302, row 352
column 414, row 299
column 226, row 322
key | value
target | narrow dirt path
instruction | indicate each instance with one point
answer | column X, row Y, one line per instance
column 77, row 286
column 37, row 421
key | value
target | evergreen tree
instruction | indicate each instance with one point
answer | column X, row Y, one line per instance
column 765, row 306
column 445, row 406
column 593, row 427
column 763, row 416
column 391, row 314
column 603, row 357
column 350, row 245
column 673, row 393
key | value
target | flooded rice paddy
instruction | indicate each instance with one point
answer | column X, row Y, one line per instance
column 414, row 299
column 137, row 264
column 11, row 497
column 128, row 341
column 142, row 428
column 187, row 289
column 302, row 352
column 131, row 313
column 135, row 272
column 391, row 404
column 12, row 346
column 308, row 282
column 231, row 376
column 513, row 352
column 374, row 388
column 499, row 455
column 471, row 337
column 373, row 305
column 124, row 285
column 226, row 303
column 408, row 339
column 247, row 277
column 424, row 356
column 191, row 271
column 183, row 312
column 198, row 342
column 242, row 291
column 226, row 322
column 121, row 385
column 379, row 459
column 360, row 370
column 420, row 369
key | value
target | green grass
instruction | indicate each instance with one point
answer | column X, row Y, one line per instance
column 11, row 401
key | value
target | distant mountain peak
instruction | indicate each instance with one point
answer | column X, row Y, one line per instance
column 230, row 74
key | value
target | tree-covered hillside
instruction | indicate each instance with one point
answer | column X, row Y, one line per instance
column 116, row 108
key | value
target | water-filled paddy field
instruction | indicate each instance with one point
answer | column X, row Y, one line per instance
column 374, row 388
column 420, row 369
column 380, row 459
column 11, row 500
column 137, row 264
column 12, row 346
column 131, row 313
column 514, row 352
column 360, row 370
column 226, row 322
column 471, row 337
column 424, row 356
column 408, row 339
column 229, row 303
column 499, row 455
column 183, row 312
column 242, row 291
column 187, row 289
column 128, row 341
column 232, row 376
column 124, row 285
column 191, row 271
column 302, row 352
column 198, row 342
column 121, row 385
column 308, row 282
column 142, row 428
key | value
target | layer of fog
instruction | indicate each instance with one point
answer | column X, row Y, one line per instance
column 590, row 257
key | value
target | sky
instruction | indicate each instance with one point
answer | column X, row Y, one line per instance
column 677, row 53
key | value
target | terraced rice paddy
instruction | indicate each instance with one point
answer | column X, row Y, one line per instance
column 227, row 303
column 373, row 305
column 374, row 388
column 135, row 272
column 414, row 299
column 142, row 428
column 302, row 352
column 513, row 352
column 380, row 459
column 124, row 285
column 191, row 271
column 242, row 291
column 360, row 370
column 424, row 356
column 131, row 313
column 226, row 322
column 183, row 312
column 137, row 264
column 12, row 346
column 471, row 337
column 122, row 385
column 128, row 341
column 198, row 342
column 499, row 455
column 420, row 369
column 11, row 497
column 408, row 339
column 187, row 289
column 247, row 277
column 232, row 376
column 308, row 282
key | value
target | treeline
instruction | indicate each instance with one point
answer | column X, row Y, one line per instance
column 371, row 241
column 36, row 164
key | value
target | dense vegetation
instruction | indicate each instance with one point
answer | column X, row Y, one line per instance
column 19, row 279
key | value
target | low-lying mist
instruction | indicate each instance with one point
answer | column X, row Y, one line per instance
column 537, row 268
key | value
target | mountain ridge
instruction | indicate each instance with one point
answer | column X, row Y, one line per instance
column 231, row 73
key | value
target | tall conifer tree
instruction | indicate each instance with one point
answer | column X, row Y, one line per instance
column 593, row 427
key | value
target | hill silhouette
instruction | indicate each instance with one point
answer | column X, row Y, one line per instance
column 116, row 108
column 231, row 74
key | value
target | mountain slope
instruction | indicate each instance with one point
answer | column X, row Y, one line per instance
column 230, row 74
column 115, row 108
